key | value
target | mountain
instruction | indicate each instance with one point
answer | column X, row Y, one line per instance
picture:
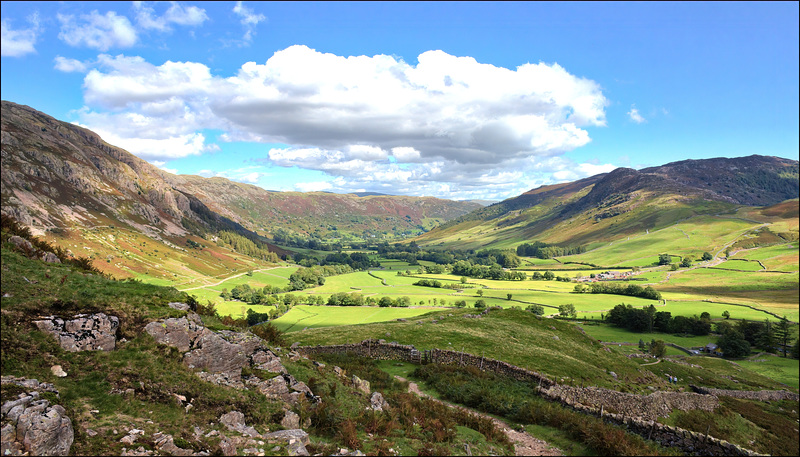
column 66, row 182
column 623, row 202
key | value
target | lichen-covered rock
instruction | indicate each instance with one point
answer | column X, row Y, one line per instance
column 21, row 243
column 264, row 359
column 180, row 333
column 95, row 332
column 361, row 384
column 214, row 354
column 35, row 427
column 49, row 257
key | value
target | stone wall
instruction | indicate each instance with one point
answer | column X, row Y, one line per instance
column 393, row 351
column 647, row 407
column 762, row 395
column 639, row 413
column 693, row 443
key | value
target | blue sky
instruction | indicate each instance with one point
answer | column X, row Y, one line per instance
column 455, row 100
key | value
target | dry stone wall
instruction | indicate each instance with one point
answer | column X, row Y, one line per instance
column 762, row 395
column 638, row 413
column 647, row 407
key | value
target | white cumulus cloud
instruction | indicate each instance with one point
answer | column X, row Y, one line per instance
column 97, row 31
column 17, row 43
column 373, row 122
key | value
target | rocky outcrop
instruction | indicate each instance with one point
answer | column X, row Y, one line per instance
column 32, row 426
column 223, row 352
column 84, row 332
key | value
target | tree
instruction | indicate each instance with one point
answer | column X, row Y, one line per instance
column 783, row 333
column 463, row 280
column 766, row 338
column 536, row 275
column 705, row 316
column 480, row 292
column 480, row 304
column 461, row 303
column 548, row 275
column 658, row 348
column 508, row 296
column 536, row 309
column 707, row 256
column 686, row 263
column 664, row 259
column 673, row 267
column 579, row 288
column 733, row 345
column 567, row 310
column 726, row 314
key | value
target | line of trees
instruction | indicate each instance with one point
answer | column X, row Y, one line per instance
column 647, row 319
column 631, row 290
column 468, row 268
column 542, row 250
column 246, row 246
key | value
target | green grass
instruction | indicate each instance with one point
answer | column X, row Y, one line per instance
column 705, row 233
column 783, row 370
column 607, row 332
column 302, row 316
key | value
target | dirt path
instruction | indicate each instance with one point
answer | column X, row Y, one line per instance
column 524, row 443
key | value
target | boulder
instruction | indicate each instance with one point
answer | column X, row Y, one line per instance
column 179, row 332
column 95, row 332
column 377, row 402
column 35, row 427
column 290, row 420
column 214, row 354
column 178, row 305
column 264, row 359
column 361, row 384
column 21, row 243
column 288, row 436
column 57, row 370
column 49, row 257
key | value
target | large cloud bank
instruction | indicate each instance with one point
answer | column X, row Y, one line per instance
column 439, row 127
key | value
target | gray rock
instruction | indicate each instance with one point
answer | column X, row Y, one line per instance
column 264, row 359
column 290, row 420
column 21, row 243
column 178, row 305
column 233, row 420
column 288, row 436
column 42, row 429
column 96, row 332
column 49, row 257
column 214, row 354
column 377, row 402
column 179, row 332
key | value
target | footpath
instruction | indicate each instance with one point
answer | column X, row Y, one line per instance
column 524, row 443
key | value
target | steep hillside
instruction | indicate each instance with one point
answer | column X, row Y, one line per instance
column 321, row 215
column 65, row 182
column 623, row 202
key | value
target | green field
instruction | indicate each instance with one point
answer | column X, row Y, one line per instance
column 778, row 368
column 691, row 237
column 304, row 316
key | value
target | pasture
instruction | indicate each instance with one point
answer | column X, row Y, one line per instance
column 304, row 316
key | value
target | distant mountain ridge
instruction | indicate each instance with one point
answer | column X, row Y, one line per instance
column 55, row 174
column 624, row 201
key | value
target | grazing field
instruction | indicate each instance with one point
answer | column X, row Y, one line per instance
column 304, row 316
column 781, row 369
column 688, row 238
column 609, row 333
column 783, row 257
